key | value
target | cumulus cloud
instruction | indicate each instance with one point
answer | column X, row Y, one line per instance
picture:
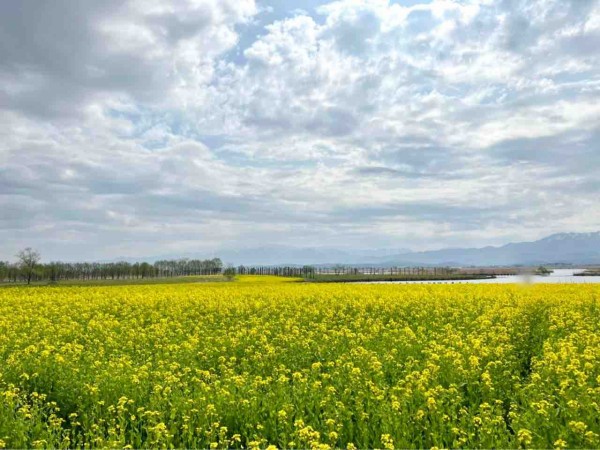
column 59, row 58
column 143, row 127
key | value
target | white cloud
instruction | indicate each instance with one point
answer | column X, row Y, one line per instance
column 452, row 119
column 152, row 52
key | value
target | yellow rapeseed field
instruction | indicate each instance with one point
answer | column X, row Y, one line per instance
column 267, row 363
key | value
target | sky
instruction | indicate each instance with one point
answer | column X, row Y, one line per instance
column 147, row 127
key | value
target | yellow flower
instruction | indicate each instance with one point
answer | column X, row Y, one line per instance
column 524, row 436
column 591, row 437
column 577, row 427
column 387, row 441
column 560, row 443
column 431, row 403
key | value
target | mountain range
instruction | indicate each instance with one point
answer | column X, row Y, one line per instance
column 561, row 248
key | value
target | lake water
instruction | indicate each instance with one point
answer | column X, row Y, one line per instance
column 558, row 276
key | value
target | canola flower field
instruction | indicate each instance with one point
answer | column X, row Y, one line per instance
column 264, row 363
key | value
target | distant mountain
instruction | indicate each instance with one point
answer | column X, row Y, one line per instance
column 275, row 255
column 570, row 248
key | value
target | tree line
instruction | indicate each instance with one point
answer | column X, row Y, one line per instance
column 28, row 268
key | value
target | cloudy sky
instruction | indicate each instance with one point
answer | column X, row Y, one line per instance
column 139, row 128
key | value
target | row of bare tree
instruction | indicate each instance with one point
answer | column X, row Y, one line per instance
column 28, row 269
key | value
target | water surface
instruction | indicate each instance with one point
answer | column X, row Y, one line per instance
column 558, row 276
